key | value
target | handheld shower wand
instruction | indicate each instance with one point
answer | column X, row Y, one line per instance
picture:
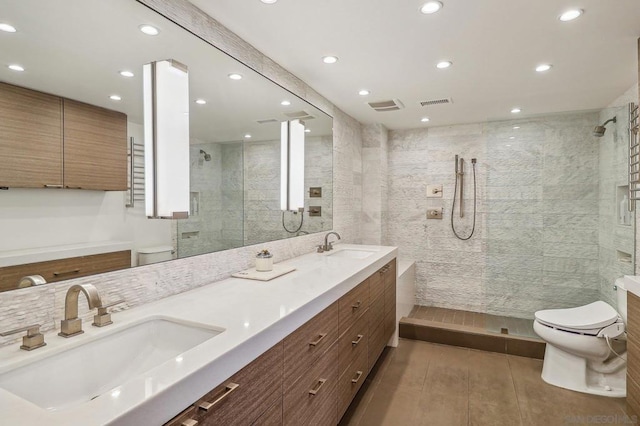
column 459, row 173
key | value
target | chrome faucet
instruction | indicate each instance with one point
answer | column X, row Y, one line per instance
column 71, row 325
column 327, row 245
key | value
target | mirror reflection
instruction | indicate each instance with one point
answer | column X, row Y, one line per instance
column 55, row 212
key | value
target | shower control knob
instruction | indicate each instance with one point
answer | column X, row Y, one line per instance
column 434, row 213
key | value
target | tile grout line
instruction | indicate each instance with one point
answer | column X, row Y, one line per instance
column 515, row 389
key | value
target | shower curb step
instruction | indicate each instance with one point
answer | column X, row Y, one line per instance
column 470, row 337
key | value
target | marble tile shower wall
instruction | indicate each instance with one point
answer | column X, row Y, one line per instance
column 536, row 240
column 375, row 183
column 263, row 218
column 45, row 304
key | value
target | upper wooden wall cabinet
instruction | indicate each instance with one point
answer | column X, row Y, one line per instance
column 52, row 142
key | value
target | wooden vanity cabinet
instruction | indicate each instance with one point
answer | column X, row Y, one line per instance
column 30, row 138
column 311, row 377
column 633, row 354
column 64, row 269
column 51, row 142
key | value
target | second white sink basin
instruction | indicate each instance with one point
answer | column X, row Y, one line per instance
column 350, row 253
column 84, row 373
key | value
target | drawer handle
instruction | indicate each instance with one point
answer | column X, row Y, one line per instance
column 53, row 186
column 74, row 271
column 357, row 379
column 355, row 342
column 315, row 390
column 317, row 342
column 73, row 187
column 189, row 422
column 206, row 406
column 356, row 305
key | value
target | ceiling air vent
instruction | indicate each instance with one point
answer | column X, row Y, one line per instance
column 436, row 102
column 392, row 105
column 300, row 115
column 268, row 120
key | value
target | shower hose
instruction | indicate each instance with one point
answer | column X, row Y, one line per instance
column 453, row 207
column 299, row 227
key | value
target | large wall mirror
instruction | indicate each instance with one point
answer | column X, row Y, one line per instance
column 235, row 126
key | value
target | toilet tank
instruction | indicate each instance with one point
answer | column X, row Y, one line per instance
column 149, row 255
column 621, row 297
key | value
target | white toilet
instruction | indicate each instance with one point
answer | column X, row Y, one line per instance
column 579, row 353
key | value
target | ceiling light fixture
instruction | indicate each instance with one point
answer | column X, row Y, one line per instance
column 307, row 130
column 268, row 1
column 424, row 119
column 516, row 127
column 127, row 74
column 329, row 59
column 543, row 67
column 570, row 15
column 235, row 76
column 431, row 7
column 515, row 110
column 149, row 30
column 444, row 64
column 285, row 103
column 7, row 28
column 364, row 92
column 115, row 98
column 512, row 137
column 201, row 101
column 247, row 136
column 16, row 67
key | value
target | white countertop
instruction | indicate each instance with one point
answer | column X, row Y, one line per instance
column 255, row 315
column 43, row 254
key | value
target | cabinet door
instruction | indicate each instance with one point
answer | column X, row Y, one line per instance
column 30, row 138
column 95, row 147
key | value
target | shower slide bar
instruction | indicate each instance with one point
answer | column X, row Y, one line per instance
column 634, row 155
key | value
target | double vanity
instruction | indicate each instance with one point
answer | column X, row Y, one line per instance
column 291, row 350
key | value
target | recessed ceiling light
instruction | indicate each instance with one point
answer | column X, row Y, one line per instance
column 115, row 98
column 329, row 59
column 424, row 119
column 364, row 92
column 7, row 28
column 543, row 67
column 512, row 137
column 235, row 76
column 247, row 136
column 431, row 7
column 268, row 1
column 149, row 30
column 516, row 127
column 515, row 110
column 444, row 64
column 307, row 130
column 285, row 103
column 201, row 101
column 16, row 67
column 126, row 73
column 570, row 15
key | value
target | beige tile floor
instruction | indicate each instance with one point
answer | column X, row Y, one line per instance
column 420, row 383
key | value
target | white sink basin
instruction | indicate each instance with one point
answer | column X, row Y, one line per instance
column 351, row 253
column 85, row 372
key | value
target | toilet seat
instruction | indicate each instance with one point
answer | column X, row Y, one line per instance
column 588, row 319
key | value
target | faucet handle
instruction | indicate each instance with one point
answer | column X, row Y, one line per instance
column 33, row 340
column 320, row 249
column 104, row 317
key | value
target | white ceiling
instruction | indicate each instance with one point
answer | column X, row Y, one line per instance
column 390, row 48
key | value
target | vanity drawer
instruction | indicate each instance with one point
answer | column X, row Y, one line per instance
column 303, row 347
column 389, row 324
column 389, row 299
column 64, row 269
column 376, row 312
column 377, row 342
column 390, row 274
column 245, row 396
column 353, row 342
column 376, row 284
column 351, row 381
column 352, row 305
column 273, row 416
column 633, row 316
column 313, row 400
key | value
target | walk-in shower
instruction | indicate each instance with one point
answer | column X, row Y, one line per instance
column 459, row 172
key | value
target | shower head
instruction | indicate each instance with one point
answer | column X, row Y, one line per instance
column 207, row 157
column 598, row 131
